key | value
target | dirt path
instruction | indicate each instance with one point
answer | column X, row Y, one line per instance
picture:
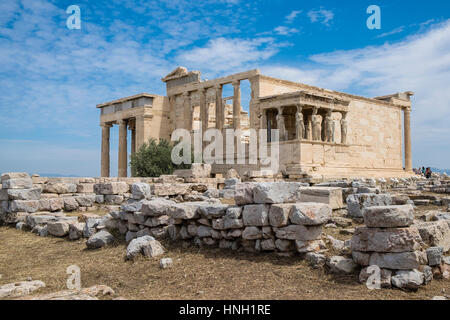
column 196, row 273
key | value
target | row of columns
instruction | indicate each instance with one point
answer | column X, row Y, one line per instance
column 219, row 107
column 124, row 125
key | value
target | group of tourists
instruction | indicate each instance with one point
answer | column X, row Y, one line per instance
column 423, row 172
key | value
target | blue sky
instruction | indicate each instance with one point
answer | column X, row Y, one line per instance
column 51, row 78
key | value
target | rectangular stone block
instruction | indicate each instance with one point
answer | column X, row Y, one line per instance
column 386, row 240
column 435, row 234
column 357, row 202
column 298, row 232
column 171, row 189
column 111, row 188
column 398, row 261
column 3, row 194
column 279, row 214
column 24, row 194
column 29, row 206
column 256, row 215
column 19, row 183
column 85, row 188
column 14, row 175
column 60, row 188
column 389, row 216
column 276, row 192
column 328, row 195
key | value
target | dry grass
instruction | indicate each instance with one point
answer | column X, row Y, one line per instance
column 196, row 273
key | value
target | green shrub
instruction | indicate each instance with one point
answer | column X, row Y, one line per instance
column 154, row 159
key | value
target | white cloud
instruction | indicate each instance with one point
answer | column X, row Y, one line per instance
column 321, row 15
column 228, row 54
column 291, row 16
column 284, row 31
column 419, row 63
column 395, row 31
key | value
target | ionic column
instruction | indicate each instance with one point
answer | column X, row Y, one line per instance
column 407, row 132
column 237, row 104
column 105, row 150
column 133, row 141
column 187, row 111
column 203, row 109
column 123, row 156
column 219, row 107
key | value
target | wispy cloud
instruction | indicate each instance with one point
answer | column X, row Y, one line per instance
column 284, row 31
column 321, row 15
column 395, row 31
column 291, row 16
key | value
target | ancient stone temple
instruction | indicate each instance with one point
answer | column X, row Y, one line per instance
column 321, row 132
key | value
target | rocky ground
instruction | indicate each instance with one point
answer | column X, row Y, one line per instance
column 251, row 240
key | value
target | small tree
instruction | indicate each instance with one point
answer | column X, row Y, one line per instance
column 154, row 159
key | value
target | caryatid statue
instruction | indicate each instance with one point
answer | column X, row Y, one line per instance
column 344, row 128
column 299, row 123
column 280, row 125
column 316, row 125
column 329, row 126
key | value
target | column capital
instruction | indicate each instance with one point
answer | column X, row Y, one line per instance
column 218, row 86
column 121, row 122
column 236, row 83
column 105, row 125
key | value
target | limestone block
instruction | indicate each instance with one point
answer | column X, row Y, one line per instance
column 60, row 188
column 268, row 245
column 357, row 202
column 252, row 233
column 361, row 258
column 398, row 261
column 408, row 279
column 231, row 223
column 434, row 255
column 234, row 212
column 76, row 230
column 86, row 201
column 23, row 194
column 51, row 204
column 186, row 210
column 100, row 239
column 70, row 204
column 212, row 210
column 39, row 218
column 341, row 265
column 14, row 175
column 58, row 228
column 276, row 192
column 256, row 215
column 435, row 234
column 386, row 240
column 298, row 232
column 284, row 245
column 29, row 206
column 171, row 189
column 114, row 199
column 19, row 183
column 389, row 216
column 279, row 214
column 310, row 214
column 3, row 194
column 157, row 221
column 140, row 191
column 243, row 194
column 111, row 188
column 85, row 188
column 328, row 195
